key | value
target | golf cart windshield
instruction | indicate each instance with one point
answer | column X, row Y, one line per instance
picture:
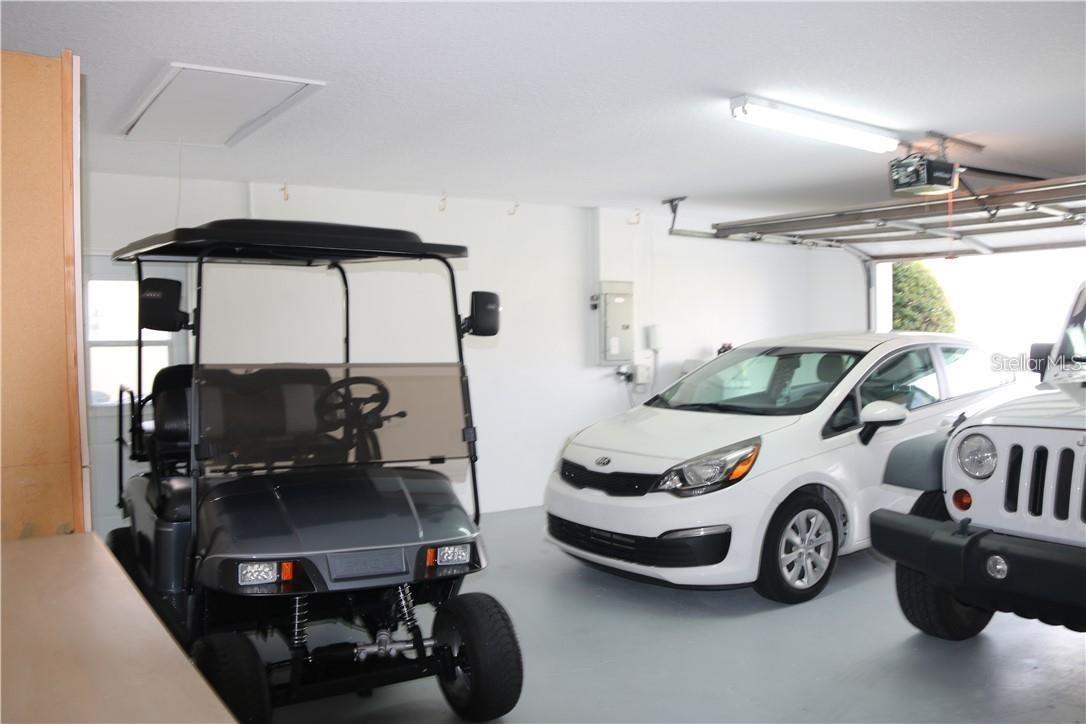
column 278, row 416
column 760, row 381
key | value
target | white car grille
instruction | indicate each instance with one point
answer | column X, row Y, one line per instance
column 1037, row 489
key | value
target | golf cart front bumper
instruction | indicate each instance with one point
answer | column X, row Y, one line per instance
column 1042, row 580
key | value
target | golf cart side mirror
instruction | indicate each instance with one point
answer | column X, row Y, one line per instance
column 880, row 413
column 485, row 314
column 160, row 301
column 1039, row 355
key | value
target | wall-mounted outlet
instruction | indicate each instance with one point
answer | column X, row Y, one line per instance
column 653, row 338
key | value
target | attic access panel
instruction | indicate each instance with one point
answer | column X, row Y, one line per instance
column 202, row 105
column 1017, row 217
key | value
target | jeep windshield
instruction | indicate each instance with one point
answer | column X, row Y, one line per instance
column 1072, row 346
column 760, row 381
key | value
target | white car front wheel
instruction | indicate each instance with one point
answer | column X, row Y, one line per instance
column 805, row 552
column 800, row 550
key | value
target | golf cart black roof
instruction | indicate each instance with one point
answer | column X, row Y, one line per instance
column 283, row 242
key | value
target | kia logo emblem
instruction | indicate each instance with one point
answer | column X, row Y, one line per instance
column 603, row 461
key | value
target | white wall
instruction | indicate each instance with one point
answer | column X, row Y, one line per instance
column 119, row 208
column 536, row 381
column 703, row 292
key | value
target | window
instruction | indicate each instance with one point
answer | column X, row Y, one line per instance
column 908, row 379
column 968, row 370
column 844, row 418
column 761, row 381
column 112, row 318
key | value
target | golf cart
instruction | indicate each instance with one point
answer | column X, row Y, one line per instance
column 282, row 496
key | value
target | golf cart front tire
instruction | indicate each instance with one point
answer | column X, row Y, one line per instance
column 232, row 666
column 489, row 672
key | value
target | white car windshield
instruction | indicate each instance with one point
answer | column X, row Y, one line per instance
column 761, row 381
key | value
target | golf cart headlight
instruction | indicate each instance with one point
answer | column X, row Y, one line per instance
column 977, row 456
column 711, row 471
column 454, row 555
column 251, row 574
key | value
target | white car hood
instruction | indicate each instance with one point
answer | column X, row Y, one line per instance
column 676, row 434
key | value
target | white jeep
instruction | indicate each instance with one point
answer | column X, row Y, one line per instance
column 1001, row 524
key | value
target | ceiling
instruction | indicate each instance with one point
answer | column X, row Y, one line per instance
column 588, row 104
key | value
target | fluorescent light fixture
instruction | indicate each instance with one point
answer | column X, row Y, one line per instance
column 812, row 124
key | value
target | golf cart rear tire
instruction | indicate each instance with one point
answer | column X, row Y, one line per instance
column 120, row 543
column 496, row 669
column 931, row 608
column 232, row 666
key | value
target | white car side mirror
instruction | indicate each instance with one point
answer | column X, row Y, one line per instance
column 880, row 413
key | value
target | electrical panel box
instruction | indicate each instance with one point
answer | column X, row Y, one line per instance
column 616, row 313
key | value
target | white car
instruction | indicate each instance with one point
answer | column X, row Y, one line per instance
column 764, row 464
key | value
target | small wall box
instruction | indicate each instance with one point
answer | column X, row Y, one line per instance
column 616, row 318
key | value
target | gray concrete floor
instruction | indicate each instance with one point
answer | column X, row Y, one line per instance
column 601, row 648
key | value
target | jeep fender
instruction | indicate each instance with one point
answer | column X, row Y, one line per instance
column 917, row 464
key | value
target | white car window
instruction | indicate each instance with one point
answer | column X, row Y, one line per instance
column 969, row 370
column 846, row 417
column 908, row 379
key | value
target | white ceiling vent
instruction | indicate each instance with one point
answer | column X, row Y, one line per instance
column 200, row 105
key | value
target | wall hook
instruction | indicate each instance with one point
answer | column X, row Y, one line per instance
column 285, row 191
column 512, row 210
column 444, row 202
column 635, row 218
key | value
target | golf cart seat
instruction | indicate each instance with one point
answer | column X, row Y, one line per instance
column 172, row 498
column 269, row 404
column 258, row 415
column 170, row 400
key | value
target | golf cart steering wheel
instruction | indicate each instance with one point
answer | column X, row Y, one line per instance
column 336, row 405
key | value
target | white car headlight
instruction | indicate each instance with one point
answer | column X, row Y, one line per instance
column 712, row 471
column 977, row 456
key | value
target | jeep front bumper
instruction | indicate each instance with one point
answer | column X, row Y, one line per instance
column 1043, row 580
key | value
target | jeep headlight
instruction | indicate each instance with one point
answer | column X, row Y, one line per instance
column 977, row 456
column 712, row 471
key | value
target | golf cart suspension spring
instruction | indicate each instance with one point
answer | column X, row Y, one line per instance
column 299, row 623
column 407, row 606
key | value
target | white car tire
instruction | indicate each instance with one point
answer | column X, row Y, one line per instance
column 799, row 552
